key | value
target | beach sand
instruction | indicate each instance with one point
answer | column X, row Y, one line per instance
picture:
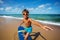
column 9, row 27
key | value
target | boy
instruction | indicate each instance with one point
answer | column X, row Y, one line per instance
column 28, row 21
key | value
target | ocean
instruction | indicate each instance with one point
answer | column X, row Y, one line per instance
column 55, row 18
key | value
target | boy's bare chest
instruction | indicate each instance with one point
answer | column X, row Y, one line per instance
column 27, row 22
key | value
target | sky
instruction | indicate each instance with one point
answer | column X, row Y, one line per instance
column 34, row 6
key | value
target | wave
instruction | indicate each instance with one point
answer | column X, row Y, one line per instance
column 11, row 17
column 45, row 22
column 49, row 22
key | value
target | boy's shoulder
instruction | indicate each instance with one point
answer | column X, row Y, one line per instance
column 30, row 19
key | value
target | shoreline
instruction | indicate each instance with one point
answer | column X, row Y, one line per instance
column 9, row 27
column 44, row 22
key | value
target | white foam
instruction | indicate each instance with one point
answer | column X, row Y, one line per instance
column 49, row 22
column 11, row 17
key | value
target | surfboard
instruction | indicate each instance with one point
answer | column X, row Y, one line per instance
column 21, row 33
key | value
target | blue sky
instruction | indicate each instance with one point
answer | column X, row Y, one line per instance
column 34, row 6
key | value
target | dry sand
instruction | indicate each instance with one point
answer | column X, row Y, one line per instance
column 9, row 26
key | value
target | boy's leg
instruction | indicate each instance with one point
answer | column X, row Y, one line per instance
column 26, row 36
column 28, row 31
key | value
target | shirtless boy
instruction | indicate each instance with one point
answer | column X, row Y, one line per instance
column 28, row 21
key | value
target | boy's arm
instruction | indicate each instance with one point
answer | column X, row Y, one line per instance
column 40, row 25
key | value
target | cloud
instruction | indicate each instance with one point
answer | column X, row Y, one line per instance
column 7, row 9
column 30, row 9
column 41, row 6
column 15, row 10
column 44, row 5
column 1, row 2
column 1, row 9
column 49, row 8
column 11, row 9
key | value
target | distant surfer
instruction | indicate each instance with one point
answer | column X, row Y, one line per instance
column 28, row 21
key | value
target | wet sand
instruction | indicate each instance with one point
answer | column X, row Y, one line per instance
column 9, row 26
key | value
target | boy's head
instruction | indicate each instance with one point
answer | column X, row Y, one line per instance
column 25, row 10
column 25, row 13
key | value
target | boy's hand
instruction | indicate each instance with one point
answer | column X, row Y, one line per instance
column 47, row 28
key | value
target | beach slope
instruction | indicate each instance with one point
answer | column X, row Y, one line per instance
column 9, row 27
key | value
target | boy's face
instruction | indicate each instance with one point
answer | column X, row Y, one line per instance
column 25, row 15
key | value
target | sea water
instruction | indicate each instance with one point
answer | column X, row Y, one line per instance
column 53, row 18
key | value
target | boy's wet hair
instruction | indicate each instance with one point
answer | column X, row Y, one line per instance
column 25, row 10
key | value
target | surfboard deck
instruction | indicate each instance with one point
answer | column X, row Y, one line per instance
column 21, row 33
